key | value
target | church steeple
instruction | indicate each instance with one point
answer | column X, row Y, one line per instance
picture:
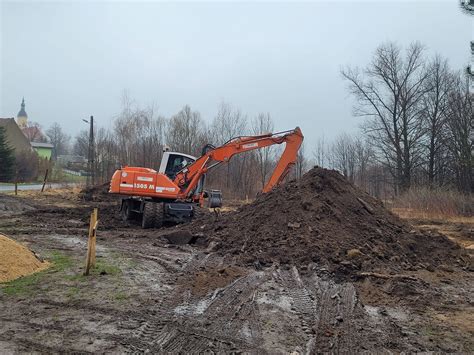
column 22, row 117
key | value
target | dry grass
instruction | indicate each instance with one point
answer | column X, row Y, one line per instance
column 434, row 204
column 446, row 212
column 410, row 213
column 50, row 192
column 60, row 197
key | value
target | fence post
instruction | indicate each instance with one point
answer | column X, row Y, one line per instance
column 44, row 181
column 90, row 259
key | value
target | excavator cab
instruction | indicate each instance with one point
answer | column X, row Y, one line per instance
column 173, row 162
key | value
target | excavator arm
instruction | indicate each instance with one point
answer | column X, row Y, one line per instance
column 188, row 178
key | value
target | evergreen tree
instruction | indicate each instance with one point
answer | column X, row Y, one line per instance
column 7, row 159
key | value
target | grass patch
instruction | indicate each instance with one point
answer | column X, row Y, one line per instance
column 121, row 296
column 22, row 285
column 103, row 267
column 72, row 291
column 60, row 261
column 27, row 284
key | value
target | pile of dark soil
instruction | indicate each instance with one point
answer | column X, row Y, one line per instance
column 97, row 193
column 325, row 221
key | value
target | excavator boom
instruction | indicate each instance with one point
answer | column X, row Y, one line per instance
column 188, row 177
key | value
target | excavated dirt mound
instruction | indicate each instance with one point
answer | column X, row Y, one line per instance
column 324, row 221
column 16, row 260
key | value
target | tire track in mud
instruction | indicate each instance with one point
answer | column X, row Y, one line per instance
column 52, row 329
column 235, row 306
column 154, row 332
column 324, row 308
column 210, row 323
column 334, row 326
column 303, row 303
column 113, row 312
column 29, row 345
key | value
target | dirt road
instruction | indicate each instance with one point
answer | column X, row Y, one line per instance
column 147, row 295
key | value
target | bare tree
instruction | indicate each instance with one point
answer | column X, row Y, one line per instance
column 435, row 104
column 33, row 132
column 263, row 124
column 139, row 135
column 81, row 143
column 58, row 139
column 105, row 154
column 388, row 93
column 343, row 156
column 320, row 152
column 186, row 132
column 230, row 123
column 301, row 163
column 461, row 134
column 364, row 160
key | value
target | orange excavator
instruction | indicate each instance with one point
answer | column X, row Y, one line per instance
column 169, row 195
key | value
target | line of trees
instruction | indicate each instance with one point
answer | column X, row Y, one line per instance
column 418, row 118
column 138, row 137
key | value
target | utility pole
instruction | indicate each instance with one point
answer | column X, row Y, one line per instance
column 90, row 154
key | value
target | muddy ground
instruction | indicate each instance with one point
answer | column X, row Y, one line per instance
column 148, row 295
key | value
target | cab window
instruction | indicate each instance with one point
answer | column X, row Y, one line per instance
column 175, row 164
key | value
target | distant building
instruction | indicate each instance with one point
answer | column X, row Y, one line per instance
column 22, row 117
column 32, row 131
column 15, row 137
column 18, row 141
column 30, row 136
column 44, row 150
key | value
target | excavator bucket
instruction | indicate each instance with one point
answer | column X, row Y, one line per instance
column 179, row 237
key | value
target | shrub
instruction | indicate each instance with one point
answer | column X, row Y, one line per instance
column 27, row 166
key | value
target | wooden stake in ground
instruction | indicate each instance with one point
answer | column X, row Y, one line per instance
column 90, row 259
column 44, row 180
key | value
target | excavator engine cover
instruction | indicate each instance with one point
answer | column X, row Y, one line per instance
column 214, row 199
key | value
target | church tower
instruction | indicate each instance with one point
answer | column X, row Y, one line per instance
column 22, row 118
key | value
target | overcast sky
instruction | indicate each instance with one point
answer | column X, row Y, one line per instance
column 73, row 60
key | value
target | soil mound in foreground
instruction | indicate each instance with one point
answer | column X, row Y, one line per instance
column 16, row 260
column 324, row 220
